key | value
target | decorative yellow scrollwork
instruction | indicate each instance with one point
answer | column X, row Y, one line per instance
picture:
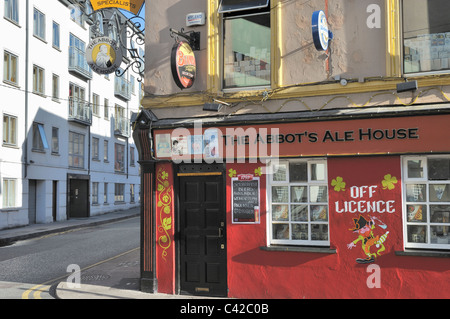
column 164, row 210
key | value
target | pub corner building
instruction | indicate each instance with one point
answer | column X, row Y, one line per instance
column 290, row 151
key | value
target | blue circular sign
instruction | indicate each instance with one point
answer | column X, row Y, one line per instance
column 321, row 34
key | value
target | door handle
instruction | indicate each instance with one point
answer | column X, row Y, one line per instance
column 220, row 232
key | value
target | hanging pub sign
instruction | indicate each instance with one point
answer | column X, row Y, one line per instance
column 320, row 32
column 183, row 64
column 133, row 6
column 104, row 55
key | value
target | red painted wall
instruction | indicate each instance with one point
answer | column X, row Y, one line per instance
column 255, row 273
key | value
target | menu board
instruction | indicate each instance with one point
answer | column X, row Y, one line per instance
column 245, row 200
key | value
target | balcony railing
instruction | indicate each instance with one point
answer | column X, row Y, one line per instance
column 122, row 126
column 122, row 88
column 78, row 63
column 80, row 111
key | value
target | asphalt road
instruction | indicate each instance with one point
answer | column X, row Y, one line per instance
column 32, row 268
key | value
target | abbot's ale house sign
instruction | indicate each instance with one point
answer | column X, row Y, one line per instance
column 104, row 55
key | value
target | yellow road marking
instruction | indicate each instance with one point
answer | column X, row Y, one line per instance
column 38, row 289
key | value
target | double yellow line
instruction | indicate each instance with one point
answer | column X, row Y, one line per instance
column 38, row 289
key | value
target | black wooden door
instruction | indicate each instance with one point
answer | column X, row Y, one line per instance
column 203, row 258
column 79, row 198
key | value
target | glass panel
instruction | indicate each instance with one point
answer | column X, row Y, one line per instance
column 439, row 192
column 300, row 231
column 319, row 232
column 417, row 234
column 318, row 194
column 416, row 193
column 439, row 168
column 426, row 32
column 280, row 194
column 415, row 168
column 238, row 5
column 299, row 213
column 417, row 213
column 318, row 172
column 247, row 51
column 440, row 213
column 440, row 235
column 281, row 231
column 280, row 212
column 319, row 213
column 298, row 172
column 279, row 173
column 299, row 194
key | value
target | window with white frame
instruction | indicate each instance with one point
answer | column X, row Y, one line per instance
column 95, row 104
column 56, row 36
column 12, row 10
column 95, row 148
column 427, row 202
column 119, row 192
column 9, row 130
column 426, row 36
column 55, row 87
column 39, row 24
column 76, row 150
column 10, row 68
column 55, row 140
column 38, row 80
column 298, row 203
column 94, row 192
column 119, row 158
column 9, row 193
column 40, row 143
column 105, row 193
column 105, row 150
column 246, row 43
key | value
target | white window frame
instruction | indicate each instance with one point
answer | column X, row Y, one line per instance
column 39, row 24
column 270, row 183
column 95, row 193
column 40, row 143
column 12, row 11
column 424, row 180
column 38, row 80
column 9, row 132
column 119, row 193
column 9, row 192
column 80, row 146
column 56, row 35
column 9, row 67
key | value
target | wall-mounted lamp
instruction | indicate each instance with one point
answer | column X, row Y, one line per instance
column 214, row 107
column 407, row 86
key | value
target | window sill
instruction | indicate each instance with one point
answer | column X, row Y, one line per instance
column 424, row 253
column 300, row 249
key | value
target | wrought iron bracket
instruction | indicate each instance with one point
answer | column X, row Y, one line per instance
column 192, row 36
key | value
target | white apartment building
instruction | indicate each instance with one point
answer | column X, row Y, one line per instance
column 67, row 150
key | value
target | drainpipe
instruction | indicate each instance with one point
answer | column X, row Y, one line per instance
column 26, row 88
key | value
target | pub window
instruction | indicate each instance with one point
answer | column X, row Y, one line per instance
column 427, row 202
column 426, row 36
column 246, row 44
column 298, row 203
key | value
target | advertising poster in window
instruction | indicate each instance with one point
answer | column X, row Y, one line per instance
column 365, row 202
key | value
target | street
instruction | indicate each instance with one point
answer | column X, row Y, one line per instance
column 31, row 269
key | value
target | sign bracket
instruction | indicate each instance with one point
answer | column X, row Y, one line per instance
column 192, row 36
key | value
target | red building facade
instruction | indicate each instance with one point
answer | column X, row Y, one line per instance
column 323, row 209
